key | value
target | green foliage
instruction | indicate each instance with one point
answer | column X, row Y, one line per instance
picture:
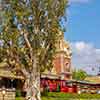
column 39, row 22
column 79, row 75
column 58, row 88
column 18, row 93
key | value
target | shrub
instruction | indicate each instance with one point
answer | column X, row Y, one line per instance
column 18, row 93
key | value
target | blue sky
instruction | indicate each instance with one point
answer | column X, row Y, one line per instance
column 83, row 32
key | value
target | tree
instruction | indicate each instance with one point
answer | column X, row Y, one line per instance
column 79, row 75
column 29, row 30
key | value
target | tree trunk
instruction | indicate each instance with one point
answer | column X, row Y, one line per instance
column 33, row 82
column 33, row 89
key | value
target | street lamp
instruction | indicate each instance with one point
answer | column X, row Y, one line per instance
column 79, row 92
column 3, row 93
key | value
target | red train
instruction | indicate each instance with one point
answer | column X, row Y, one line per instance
column 54, row 85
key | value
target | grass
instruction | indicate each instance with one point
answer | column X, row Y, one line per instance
column 66, row 96
column 19, row 98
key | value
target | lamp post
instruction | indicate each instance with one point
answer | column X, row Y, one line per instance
column 79, row 92
column 3, row 93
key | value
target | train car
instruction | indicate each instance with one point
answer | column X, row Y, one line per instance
column 57, row 85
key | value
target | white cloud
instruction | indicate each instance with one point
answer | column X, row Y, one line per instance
column 85, row 56
column 80, row 46
column 79, row 1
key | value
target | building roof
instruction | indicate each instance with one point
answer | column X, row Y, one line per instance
column 93, row 79
column 9, row 74
column 50, row 76
column 6, row 73
column 3, row 64
column 84, row 83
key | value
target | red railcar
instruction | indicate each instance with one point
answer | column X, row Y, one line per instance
column 53, row 85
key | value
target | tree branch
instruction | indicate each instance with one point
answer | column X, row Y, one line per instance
column 26, row 74
column 27, row 41
column 44, row 54
column 29, row 46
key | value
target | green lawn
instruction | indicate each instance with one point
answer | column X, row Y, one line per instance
column 19, row 98
column 65, row 96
